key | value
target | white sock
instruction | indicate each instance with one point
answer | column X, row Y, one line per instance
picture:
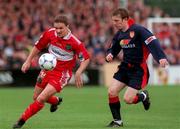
column 118, row 121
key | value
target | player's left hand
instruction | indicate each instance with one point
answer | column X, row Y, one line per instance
column 78, row 80
column 163, row 63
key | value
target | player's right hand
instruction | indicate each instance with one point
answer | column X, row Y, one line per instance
column 109, row 57
column 25, row 66
column 78, row 79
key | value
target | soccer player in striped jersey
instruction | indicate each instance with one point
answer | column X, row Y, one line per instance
column 67, row 48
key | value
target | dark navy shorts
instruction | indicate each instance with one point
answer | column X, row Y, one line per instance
column 135, row 76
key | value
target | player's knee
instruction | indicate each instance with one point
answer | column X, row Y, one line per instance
column 41, row 99
column 112, row 92
column 128, row 99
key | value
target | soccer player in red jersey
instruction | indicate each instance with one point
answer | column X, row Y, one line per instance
column 136, row 42
column 67, row 49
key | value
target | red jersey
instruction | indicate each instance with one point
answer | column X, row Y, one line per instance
column 66, row 49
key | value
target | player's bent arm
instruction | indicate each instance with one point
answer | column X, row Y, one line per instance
column 158, row 53
column 79, row 71
column 83, row 65
column 33, row 53
column 115, row 48
column 27, row 63
column 153, row 45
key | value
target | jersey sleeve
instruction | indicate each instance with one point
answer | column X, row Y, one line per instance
column 115, row 47
column 152, row 43
column 43, row 41
column 81, row 51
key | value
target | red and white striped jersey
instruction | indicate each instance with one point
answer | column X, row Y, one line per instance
column 66, row 49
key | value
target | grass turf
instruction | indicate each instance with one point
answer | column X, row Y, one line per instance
column 87, row 108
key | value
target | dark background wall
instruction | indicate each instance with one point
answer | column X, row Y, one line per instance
column 17, row 78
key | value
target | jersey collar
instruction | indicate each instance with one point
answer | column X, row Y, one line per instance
column 130, row 22
column 68, row 36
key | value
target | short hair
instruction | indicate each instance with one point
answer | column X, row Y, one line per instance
column 61, row 19
column 123, row 13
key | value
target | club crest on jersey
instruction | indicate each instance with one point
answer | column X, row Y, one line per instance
column 124, row 42
column 68, row 47
column 131, row 34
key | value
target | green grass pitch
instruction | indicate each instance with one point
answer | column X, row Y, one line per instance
column 87, row 108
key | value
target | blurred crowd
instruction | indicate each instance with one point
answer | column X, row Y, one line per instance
column 23, row 21
column 169, row 36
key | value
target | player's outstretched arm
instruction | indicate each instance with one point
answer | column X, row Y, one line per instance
column 82, row 67
column 27, row 63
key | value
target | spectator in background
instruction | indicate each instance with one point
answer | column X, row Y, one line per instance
column 27, row 19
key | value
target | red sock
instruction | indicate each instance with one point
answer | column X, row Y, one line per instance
column 136, row 100
column 32, row 109
column 113, row 99
column 53, row 100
